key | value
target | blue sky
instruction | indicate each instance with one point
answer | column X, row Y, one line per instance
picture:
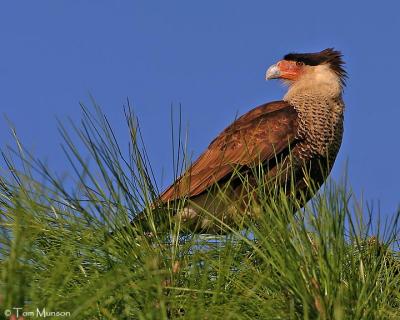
column 208, row 56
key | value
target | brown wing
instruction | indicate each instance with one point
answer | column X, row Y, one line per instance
column 255, row 137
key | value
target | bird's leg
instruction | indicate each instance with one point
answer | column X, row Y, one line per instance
column 192, row 219
column 187, row 214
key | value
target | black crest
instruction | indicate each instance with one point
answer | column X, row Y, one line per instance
column 329, row 56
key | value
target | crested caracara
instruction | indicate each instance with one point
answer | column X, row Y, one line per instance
column 301, row 133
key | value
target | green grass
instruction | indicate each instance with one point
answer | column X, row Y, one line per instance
column 329, row 261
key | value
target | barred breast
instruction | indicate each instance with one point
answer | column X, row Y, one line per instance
column 320, row 125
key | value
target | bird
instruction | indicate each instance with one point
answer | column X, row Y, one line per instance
column 298, row 134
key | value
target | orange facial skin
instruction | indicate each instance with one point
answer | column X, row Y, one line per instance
column 290, row 70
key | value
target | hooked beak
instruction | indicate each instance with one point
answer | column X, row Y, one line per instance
column 273, row 72
column 287, row 70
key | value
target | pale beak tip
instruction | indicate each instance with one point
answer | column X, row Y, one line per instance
column 273, row 72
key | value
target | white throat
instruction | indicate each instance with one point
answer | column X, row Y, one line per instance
column 319, row 81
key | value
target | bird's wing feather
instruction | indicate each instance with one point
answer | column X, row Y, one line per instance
column 255, row 137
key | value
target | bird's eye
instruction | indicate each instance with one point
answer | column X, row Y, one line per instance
column 299, row 63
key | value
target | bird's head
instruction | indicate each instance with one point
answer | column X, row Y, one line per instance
column 323, row 66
